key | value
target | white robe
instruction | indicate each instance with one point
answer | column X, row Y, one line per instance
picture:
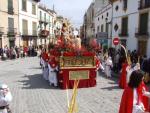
column 45, row 71
column 108, row 65
column 44, row 68
column 129, row 72
column 53, row 75
column 5, row 100
column 137, row 108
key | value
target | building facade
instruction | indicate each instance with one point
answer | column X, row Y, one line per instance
column 58, row 25
column 89, row 22
column 28, row 22
column 99, row 4
column 44, row 19
column 131, row 24
column 103, row 25
column 9, row 34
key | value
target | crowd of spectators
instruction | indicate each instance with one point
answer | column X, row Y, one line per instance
column 17, row 52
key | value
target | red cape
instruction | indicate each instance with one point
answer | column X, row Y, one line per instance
column 122, row 80
column 144, row 98
column 97, row 63
column 45, row 56
column 126, row 105
column 53, row 63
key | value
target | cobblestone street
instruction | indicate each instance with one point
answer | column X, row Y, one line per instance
column 32, row 94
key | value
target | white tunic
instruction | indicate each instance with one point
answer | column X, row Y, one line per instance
column 108, row 66
column 45, row 71
column 52, row 75
column 137, row 108
column 5, row 99
column 129, row 72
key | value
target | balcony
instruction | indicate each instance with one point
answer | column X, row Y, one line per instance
column 44, row 33
column 10, row 10
column 123, row 33
column 43, row 20
column 1, row 30
column 141, row 33
column 143, row 4
column 12, row 31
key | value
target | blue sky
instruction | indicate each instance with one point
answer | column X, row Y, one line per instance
column 72, row 9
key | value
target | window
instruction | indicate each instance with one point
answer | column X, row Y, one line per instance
column 107, row 27
column 102, row 28
column 125, row 4
column 34, row 30
column 24, row 5
column 45, row 17
column 24, row 27
column 10, row 6
column 107, row 14
column 33, row 9
column 116, row 8
column 97, row 29
column 124, row 26
column 143, row 24
column 11, row 25
column 40, row 15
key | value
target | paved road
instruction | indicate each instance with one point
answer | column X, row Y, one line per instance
column 32, row 94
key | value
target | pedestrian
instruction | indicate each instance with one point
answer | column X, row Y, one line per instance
column 44, row 62
column 123, row 75
column 108, row 66
column 132, row 98
column 53, row 70
column 116, row 62
column 5, row 99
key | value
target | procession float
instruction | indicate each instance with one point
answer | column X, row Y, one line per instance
column 75, row 62
column 70, row 65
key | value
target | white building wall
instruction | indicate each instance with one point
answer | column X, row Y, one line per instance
column 133, row 23
column 102, row 17
column 132, row 13
column 131, row 8
column 27, row 15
